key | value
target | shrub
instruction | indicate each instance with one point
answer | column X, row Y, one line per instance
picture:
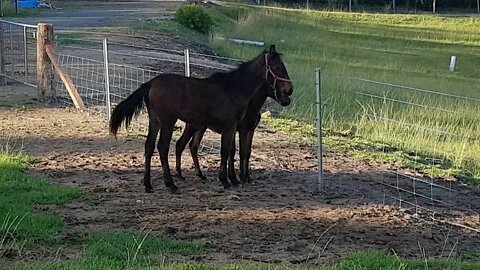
column 195, row 17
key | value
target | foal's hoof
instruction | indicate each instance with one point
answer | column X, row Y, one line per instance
column 246, row 179
column 171, row 186
column 201, row 176
column 173, row 189
column 226, row 184
column 179, row 176
column 234, row 181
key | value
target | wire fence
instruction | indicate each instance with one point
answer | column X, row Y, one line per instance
column 88, row 61
column 430, row 137
column 18, row 52
column 408, row 125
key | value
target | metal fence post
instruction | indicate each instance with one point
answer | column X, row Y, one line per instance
column 25, row 52
column 187, row 63
column 319, row 130
column 107, row 80
column 10, row 31
column 3, row 79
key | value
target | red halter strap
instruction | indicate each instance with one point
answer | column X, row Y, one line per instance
column 276, row 78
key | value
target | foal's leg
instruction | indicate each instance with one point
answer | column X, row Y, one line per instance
column 246, row 139
column 187, row 134
column 231, row 164
column 243, row 153
column 166, row 132
column 227, row 137
column 153, row 127
column 248, row 153
column 194, row 144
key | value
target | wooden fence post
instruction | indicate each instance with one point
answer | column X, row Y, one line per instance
column 44, row 64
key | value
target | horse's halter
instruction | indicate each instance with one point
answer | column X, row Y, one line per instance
column 276, row 78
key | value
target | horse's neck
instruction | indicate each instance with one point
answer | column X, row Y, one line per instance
column 256, row 103
column 246, row 81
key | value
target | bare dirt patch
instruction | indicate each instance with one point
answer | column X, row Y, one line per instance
column 279, row 218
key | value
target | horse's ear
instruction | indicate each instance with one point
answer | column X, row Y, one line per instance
column 271, row 51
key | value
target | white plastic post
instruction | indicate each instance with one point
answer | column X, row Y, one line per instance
column 319, row 130
column 107, row 80
column 453, row 63
column 187, row 63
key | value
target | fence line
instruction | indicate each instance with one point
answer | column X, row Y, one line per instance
column 421, row 191
column 19, row 54
column 401, row 101
column 415, row 89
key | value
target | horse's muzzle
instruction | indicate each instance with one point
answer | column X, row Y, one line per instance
column 285, row 102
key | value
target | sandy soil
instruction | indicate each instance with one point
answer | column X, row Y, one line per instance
column 279, row 218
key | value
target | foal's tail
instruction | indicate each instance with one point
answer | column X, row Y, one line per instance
column 128, row 108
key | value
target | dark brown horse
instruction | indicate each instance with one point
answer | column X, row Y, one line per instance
column 219, row 101
column 245, row 128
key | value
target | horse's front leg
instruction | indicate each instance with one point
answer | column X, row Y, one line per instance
column 153, row 128
column 243, row 154
column 231, row 164
column 194, row 145
column 227, row 138
column 182, row 142
column 166, row 132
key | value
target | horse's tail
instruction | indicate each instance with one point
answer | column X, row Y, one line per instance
column 128, row 108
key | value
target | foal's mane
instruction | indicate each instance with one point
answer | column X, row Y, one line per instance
column 242, row 68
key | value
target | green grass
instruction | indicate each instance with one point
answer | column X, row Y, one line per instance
column 359, row 260
column 120, row 250
column 171, row 27
column 75, row 39
column 8, row 10
column 19, row 224
column 224, row 18
column 410, row 50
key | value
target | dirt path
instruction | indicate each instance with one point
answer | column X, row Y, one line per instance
column 279, row 218
column 81, row 15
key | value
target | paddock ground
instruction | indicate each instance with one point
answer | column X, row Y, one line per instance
column 279, row 218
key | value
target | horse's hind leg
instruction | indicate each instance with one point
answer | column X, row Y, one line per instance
column 194, row 145
column 187, row 134
column 243, row 154
column 153, row 128
column 166, row 132
column 231, row 164
column 227, row 137
column 248, row 152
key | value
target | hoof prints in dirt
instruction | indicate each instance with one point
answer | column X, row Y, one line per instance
column 277, row 218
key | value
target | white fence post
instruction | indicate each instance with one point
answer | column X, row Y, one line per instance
column 453, row 63
column 187, row 63
column 25, row 52
column 3, row 79
column 319, row 130
column 107, row 78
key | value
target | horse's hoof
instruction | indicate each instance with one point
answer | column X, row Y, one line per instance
column 179, row 176
column 226, row 184
column 173, row 189
column 246, row 179
column 234, row 181
column 148, row 189
column 201, row 176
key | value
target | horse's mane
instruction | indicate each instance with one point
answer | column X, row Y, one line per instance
column 240, row 69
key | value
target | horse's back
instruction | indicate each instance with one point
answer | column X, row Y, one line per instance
column 198, row 101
